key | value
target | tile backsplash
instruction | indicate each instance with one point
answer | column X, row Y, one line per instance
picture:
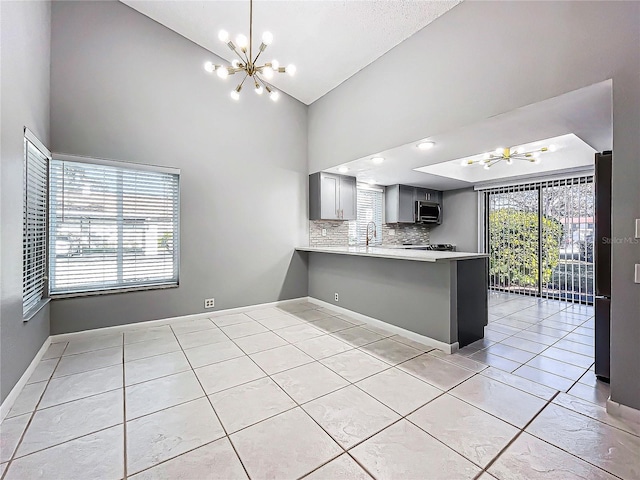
column 337, row 233
column 404, row 233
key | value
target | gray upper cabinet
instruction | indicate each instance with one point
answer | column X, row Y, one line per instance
column 400, row 202
column 332, row 197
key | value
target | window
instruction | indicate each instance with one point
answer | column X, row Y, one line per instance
column 369, row 204
column 34, row 223
column 113, row 226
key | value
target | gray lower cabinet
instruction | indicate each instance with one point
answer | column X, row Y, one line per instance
column 332, row 197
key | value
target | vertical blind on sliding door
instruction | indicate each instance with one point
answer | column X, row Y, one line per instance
column 540, row 236
column 112, row 227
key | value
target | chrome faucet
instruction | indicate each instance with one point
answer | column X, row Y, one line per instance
column 374, row 232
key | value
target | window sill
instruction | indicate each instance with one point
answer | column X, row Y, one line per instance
column 61, row 296
column 35, row 310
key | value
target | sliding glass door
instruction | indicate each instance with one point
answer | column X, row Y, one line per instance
column 539, row 237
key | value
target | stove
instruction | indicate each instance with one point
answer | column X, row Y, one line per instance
column 438, row 247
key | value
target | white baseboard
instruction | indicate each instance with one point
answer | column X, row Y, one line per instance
column 17, row 388
column 624, row 413
column 431, row 342
column 64, row 337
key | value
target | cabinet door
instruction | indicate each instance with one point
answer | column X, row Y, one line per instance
column 329, row 197
column 348, row 198
column 407, row 203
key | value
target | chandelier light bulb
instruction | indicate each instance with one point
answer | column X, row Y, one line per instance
column 553, row 148
column 509, row 161
column 242, row 41
column 274, row 95
column 222, row 72
column 499, row 150
column 537, row 160
column 235, row 63
column 291, row 69
column 235, row 94
column 267, row 38
column 223, row 36
column 486, row 166
column 267, row 72
column 275, row 64
column 209, row 67
column 464, row 163
column 259, row 89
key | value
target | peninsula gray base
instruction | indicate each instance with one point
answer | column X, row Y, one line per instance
column 446, row 301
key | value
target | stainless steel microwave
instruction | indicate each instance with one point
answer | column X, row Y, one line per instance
column 428, row 212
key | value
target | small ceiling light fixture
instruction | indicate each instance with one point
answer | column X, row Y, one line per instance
column 343, row 169
column 247, row 64
column 426, row 145
column 377, row 160
column 507, row 155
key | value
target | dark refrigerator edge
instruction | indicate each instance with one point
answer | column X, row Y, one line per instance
column 602, row 259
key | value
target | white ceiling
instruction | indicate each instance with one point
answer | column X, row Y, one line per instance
column 586, row 113
column 327, row 40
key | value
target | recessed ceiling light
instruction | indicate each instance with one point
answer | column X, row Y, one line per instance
column 377, row 160
column 343, row 169
column 426, row 145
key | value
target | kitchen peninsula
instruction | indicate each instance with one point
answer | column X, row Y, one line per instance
column 438, row 295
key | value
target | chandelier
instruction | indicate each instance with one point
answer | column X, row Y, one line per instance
column 246, row 64
column 508, row 155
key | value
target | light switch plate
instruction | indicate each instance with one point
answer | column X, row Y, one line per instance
column 637, row 227
column 637, row 275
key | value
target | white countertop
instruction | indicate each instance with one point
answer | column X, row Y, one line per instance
column 396, row 253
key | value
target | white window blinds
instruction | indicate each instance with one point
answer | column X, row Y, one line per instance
column 112, row 227
column 369, row 203
column 34, row 238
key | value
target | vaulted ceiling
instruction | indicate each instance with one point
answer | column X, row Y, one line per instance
column 328, row 41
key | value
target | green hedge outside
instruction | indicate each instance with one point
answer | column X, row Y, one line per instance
column 513, row 247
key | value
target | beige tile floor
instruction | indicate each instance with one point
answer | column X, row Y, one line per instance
column 298, row 391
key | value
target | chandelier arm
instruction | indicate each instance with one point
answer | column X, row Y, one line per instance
column 259, row 53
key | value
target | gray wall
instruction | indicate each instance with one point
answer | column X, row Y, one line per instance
column 459, row 220
column 25, row 32
column 457, row 71
column 125, row 87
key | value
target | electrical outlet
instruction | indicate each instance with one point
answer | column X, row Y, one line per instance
column 209, row 302
column 336, row 296
column 324, row 232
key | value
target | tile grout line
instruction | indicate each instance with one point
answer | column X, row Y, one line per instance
column 33, row 413
column 517, row 435
column 124, row 413
column 226, row 434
